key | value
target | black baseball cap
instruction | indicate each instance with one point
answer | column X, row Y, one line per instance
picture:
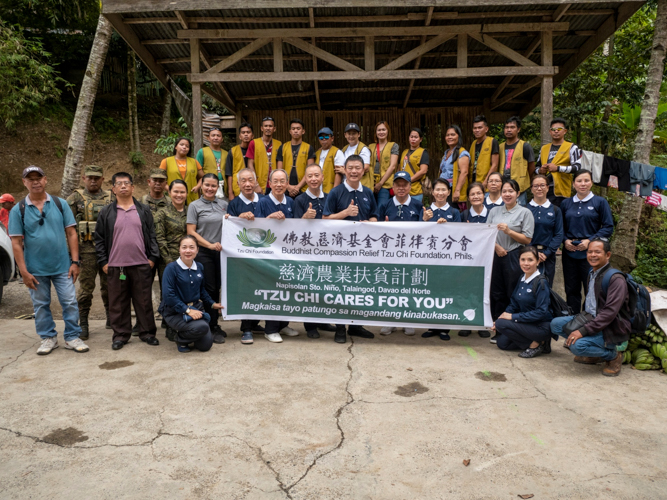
column 352, row 126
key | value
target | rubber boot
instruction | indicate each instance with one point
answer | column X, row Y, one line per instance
column 84, row 329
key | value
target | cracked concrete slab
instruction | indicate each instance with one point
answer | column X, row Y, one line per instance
column 389, row 418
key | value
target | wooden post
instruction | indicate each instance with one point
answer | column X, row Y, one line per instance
column 197, row 133
column 369, row 53
column 547, row 87
column 462, row 51
column 277, row 55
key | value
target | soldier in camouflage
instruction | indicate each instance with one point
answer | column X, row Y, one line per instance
column 86, row 204
column 170, row 227
column 157, row 185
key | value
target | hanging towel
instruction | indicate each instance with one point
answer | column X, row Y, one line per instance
column 657, row 200
column 592, row 162
column 641, row 176
column 619, row 168
column 660, row 181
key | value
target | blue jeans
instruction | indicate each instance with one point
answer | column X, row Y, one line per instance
column 592, row 345
column 41, row 303
column 382, row 197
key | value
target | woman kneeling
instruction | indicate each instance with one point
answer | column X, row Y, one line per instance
column 525, row 323
column 184, row 297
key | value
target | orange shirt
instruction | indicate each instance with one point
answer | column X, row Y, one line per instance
column 181, row 165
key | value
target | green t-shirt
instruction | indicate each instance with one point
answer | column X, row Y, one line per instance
column 218, row 159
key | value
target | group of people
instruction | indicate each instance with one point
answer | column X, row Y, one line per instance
column 175, row 231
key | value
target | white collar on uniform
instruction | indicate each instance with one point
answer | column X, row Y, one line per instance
column 350, row 188
column 531, row 277
column 546, row 204
column 193, row 267
column 498, row 202
column 446, row 207
column 313, row 196
column 576, row 198
column 408, row 201
column 29, row 202
column 247, row 201
column 275, row 200
column 483, row 214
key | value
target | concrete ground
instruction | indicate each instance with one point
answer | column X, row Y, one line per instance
column 389, row 418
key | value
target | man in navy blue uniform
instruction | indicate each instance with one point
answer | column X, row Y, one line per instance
column 402, row 207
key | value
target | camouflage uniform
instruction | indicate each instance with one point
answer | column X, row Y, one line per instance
column 85, row 207
column 154, row 204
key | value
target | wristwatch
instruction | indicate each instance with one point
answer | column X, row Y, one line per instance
column 76, row 262
column 187, row 311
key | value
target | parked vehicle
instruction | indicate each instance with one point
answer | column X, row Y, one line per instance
column 6, row 260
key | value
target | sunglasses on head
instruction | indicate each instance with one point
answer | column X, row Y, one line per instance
column 268, row 118
column 323, row 137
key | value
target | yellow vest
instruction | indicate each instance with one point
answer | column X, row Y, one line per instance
column 412, row 166
column 262, row 161
column 562, row 182
column 484, row 160
column 367, row 178
column 237, row 165
column 301, row 161
column 328, row 171
column 518, row 165
column 455, row 180
column 190, row 177
column 210, row 166
column 385, row 161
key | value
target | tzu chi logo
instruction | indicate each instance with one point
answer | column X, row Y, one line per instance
column 256, row 238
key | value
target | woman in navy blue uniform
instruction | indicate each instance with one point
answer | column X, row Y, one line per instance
column 477, row 211
column 402, row 207
column 440, row 211
column 525, row 323
column 548, row 234
column 585, row 216
column 493, row 197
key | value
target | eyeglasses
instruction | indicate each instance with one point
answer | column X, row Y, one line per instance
column 323, row 137
column 557, row 129
column 42, row 219
column 539, row 186
column 123, row 183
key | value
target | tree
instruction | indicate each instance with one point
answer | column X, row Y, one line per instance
column 135, row 145
column 166, row 114
column 84, row 107
column 625, row 241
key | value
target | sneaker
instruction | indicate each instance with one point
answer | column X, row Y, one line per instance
column 445, row 336
column 386, row 330
column 216, row 330
column 360, row 331
column 47, row 346
column 184, row 348
column 532, row 352
column 340, row 337
column 409, row 331
column 313, row 334
column 77, row 345
column 218, row 338
column 290, row 332
column 247, row 338
column 273, row 337
column 464, row 333
column 494, row 339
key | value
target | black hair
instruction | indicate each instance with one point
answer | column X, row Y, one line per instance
column 354, row 158
column 210, row 176
column 540, row 176
column 514, row 184
column 296, row 120
column 244, row 125
column 188, row 237
column 418, row 130
column 605, row 243
column 480, row 118
column 514, row 119
column 440, row 180
column 119, row 175
column 183, row 139
column 474, row 185
column 457, row 129
column 178, row 181
column 495, row 173
column 579, row 173
column 558, row 120
column 530, row 249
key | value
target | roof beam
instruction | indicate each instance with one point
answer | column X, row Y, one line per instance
column 502, row 49
column 316, row 84
column 560, row 12
column 517, row 92
column 429, row 16
column 417, row 51
column 238, row 55
column 322, row 54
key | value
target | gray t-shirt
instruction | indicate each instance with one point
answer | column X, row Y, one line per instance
column 518, row 219
column 208, row 215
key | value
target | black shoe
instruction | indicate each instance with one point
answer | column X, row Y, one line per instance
column 360, row 331
column 532, row 352
column 445, row 336
column 430, row 333
column 84, row 331
column 484, row 334
column 218, row 338
column 108, row 324
column 464, row 333
column 216, row 330
column 340, row 336
column 493, row 340
column 257, row 329
column 163, row 324
column 546, row 347
column 313, row 334
column 327, row 327
column 117, row 344
column 151, row 341
column 170, row 334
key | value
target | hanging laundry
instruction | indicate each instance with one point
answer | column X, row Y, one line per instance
column 657, row 200
column 660, row 181
column 619, row 168
column 641, row 176
column 592, row 162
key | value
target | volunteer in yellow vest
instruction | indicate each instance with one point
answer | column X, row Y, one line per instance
column 328, row 157
column 181, row 166
column 517, row 158
column 355, row 147
column 558, row 161
column 483, row 152
column 260, row 155
column 236, row 160
column 415, row 161
column 384, row 160
column 213, row 158
column 454, row 166
column 295, row 157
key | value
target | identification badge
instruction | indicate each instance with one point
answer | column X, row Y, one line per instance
column 122, row 277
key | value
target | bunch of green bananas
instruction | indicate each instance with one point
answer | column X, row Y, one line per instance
column 648, row 350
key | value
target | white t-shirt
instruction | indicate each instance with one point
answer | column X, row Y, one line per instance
column 365, row 154
column 339, row 159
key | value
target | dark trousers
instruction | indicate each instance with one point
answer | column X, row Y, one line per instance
column 188, row 332
column 506, row 274
column 248, row 324
column 136, row 288
column 210, row 259
column 312, row 326
column 575, row 274
column 513, row 335
column 274, row 326
column 548, row 268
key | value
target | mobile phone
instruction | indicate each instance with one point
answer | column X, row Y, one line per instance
column 576, row 242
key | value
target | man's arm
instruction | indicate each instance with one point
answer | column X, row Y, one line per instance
column 28, row 279
column 616, row 295
column 73, row 243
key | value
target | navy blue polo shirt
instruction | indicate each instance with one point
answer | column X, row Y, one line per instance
column 586, row 219
column 489, row 204
column 269, row 205
column 469, row 215
column 182, row 285
column 548, row 230
column 446, row 212
column 411, row 210
column 302, row 201
column 339, row 199
column 530, row 300
column 240, row 205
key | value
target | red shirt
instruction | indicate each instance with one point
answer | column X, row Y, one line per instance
column 4, row 217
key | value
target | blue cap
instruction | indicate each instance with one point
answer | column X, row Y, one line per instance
column 325, row 131
column 403, row 175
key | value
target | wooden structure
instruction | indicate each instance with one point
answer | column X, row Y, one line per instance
column 328, row 57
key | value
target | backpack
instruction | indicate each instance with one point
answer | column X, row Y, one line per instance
column 557, row 304
column 639, row 301
column 55, row 199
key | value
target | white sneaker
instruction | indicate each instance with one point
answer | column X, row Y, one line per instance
column 409, row 331
column 76, row 345
column 290, row 332
column 47, row 346
column 273, row 337
column 386, row 330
